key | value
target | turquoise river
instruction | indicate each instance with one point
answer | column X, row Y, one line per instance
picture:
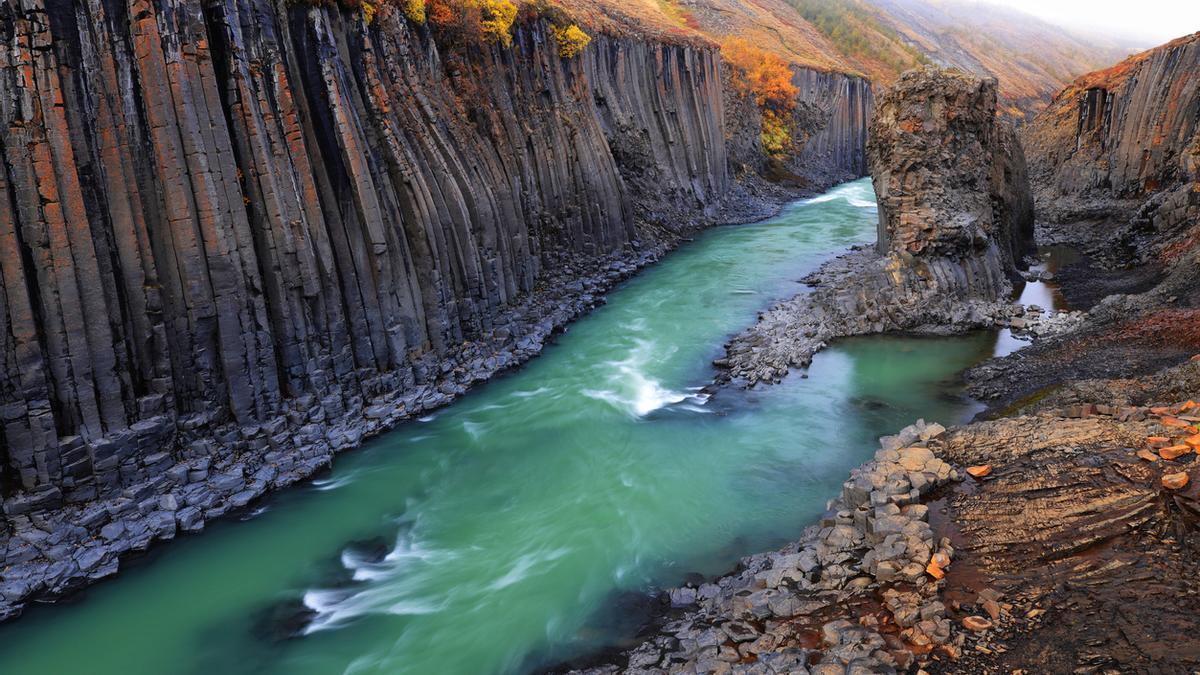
column 509, row 531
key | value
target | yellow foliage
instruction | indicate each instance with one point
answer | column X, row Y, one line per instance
column 414, row 10
column 767, row 78
column 496, row 19
column 571, row 40
column 369, row 10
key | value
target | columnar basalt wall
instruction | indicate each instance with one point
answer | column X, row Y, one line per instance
column 1125, row 132
column 216, row 208
column 840, row 109
column 1115, row 160
column 237, row 236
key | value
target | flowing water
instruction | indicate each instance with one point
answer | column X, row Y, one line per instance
column 499, row 534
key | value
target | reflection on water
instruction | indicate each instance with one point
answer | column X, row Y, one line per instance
column 1042, row 290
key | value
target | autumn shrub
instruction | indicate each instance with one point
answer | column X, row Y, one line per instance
column 469, row 22
column 571, row 40
column 413, row 10
column 496, row 18
column 767, row 79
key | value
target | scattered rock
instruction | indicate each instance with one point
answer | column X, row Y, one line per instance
column 1147, row 455
column 1175, row 481
column 1175, row 451
column 981, row 471
column 976, row 624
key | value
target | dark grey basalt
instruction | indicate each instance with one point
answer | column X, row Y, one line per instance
column 239, row 236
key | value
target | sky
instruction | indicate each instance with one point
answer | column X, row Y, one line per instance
column 1154, row 21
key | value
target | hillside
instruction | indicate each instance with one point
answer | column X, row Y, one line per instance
column 880, row 39
column 1032, row 59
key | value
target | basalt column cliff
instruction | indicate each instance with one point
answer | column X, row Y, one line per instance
column 237, row 236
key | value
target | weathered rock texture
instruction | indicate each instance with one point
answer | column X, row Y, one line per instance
column 237, row 236
column 836, row 109
column 950, row 178
column 955, row 217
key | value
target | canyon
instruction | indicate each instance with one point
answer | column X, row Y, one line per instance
column 1058, row 532
column 239, row 237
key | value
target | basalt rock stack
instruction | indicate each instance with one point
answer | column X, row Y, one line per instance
column 237, row 236
column 955, row 217
column 950, row 178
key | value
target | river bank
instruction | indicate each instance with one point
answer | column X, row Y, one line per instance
column 994, row 546
column 49, row 555
column 494, row 534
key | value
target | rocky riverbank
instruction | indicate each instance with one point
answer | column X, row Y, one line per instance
column 52, row 554
column 1018, row 544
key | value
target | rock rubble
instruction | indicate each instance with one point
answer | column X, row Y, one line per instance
column 853, row 595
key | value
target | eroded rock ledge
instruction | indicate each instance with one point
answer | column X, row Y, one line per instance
column 955, row 217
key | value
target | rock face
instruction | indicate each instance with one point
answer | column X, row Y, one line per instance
column 955, row 217
column 1124, row 132
column 238, row 236
column 950, row 178
column 1116, row 156
column 839, row 107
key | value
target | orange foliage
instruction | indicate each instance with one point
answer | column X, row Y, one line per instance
column 439, row 13
column 767, row 78
column 471, row 22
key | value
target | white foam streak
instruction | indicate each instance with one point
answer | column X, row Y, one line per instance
column 393, row 585
column 333, row 482
column 635, row 392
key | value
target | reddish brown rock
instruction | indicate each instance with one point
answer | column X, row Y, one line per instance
column 1175, row 481
column 981, row 471
column 1174, row 451
column 976, row 624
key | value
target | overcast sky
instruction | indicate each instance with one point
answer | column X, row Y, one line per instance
column 1155, row 21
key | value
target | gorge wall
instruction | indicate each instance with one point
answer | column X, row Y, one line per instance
column 1123, row 144
column 1116, row 171
column 839, row 107
column 240, row 235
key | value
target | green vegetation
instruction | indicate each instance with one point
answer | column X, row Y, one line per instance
column 856, row 33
